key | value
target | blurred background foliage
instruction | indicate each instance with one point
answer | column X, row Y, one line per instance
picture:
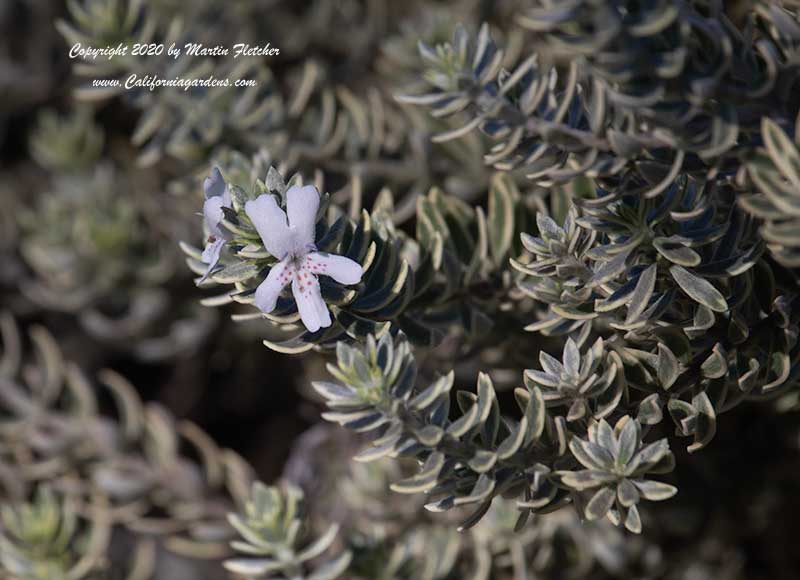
column 493, row 160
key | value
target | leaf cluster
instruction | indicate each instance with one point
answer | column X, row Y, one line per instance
column 454, row 273
column 132, row 470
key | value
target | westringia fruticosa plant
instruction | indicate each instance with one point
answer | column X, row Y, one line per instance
column 98, row 245
column 653, row 254
column 79, row 487
column 393, row 536
column 271, row 526
column 389, row 536
column 300, row 107
column 81, row 480
column 374, row 278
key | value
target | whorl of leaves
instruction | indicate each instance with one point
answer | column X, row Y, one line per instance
column 182, row 124
column 393, row 536
column 454, row 273
column 94, row 248
column 390, row 536
column 271, row 527
column 775, row 172
column 480, row 454
column 85, row 239
column 615, row 461
column 312, row 118
column 67, row 143
column 682, row 65
column 38, row 538
column 679, row 287
column 649, row 89
column 587, row 385
column 135, row 471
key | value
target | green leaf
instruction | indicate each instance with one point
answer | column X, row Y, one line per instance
column 651, row 455
column 703, row 320
column 600, row 503
column 650, row 412
column 251, row 567
column 236, row 272
column 627, row 494
column 706, row 424
column 633, row 522
column 482, row 490
column 609, row 270
column 536, row 416
column 513, row 441
column 698, row 289
column 571, row 358
column 655, row 490
column 319, row 545
column 276, row 183
column 429, row 396
column 676, row 252
column 426, row 479
column 628, row 441
column 482, row 461
column 642, row 293
column 684, row 415
column 582, row 454
column 584, row 479
column 668, row 367
column 501, row 216
column 716, row 365
column 782, row 151
column 332, row 569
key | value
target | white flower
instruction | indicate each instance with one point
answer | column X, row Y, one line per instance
column 300, row 262
column 217, row 197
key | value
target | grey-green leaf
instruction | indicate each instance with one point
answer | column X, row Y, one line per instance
column 783, row 152
column 609, row 270
column 676, row 253
column 501, row 216
column 642, row 293
column 668, row 366
column 633, row 522
column 699, row 290
column 655, row 490
column 600, row 503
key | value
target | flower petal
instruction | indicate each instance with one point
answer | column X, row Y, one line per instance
column 270, row 222
column 268, row 291
column 302, row 204
column 212, row 212
column 211, row 255
column 343, row 270
column 313, row 310
column 214, row 186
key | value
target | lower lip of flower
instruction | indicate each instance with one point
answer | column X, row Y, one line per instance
column 296, row 261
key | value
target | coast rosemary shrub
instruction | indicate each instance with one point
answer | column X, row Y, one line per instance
column 656, row 279
column 527, row 272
